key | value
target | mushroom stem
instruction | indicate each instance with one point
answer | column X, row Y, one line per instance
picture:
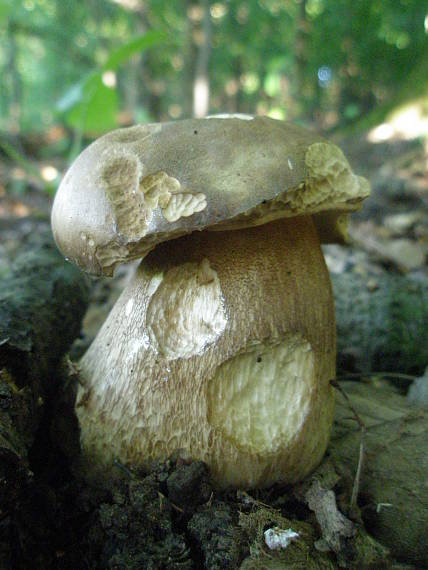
column 222, row 347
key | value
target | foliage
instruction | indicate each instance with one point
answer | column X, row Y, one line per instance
column 329, row 61
column 92, row 104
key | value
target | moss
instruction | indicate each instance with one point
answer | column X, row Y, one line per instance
column 384, row 329
column 300, row 554
column 212, row 529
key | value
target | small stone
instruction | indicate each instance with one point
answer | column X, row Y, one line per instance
column 418, row 392
column 406, row 253
column 401, row 223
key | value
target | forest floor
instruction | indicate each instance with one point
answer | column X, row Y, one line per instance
column 172, row 518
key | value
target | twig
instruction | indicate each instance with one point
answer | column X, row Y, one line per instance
column 245, row 497
column 210, row 500
column 173, row 505
column 356, row 486
column 357, row 417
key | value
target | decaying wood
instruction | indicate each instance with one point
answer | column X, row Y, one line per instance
column 42, row 302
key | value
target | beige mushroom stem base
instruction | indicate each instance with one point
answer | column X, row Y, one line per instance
column 222, row 348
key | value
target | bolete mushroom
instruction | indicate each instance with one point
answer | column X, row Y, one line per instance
column 223, row 345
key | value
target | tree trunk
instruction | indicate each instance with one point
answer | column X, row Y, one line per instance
column 301, row 54
column 15, row 84
column 201, row 84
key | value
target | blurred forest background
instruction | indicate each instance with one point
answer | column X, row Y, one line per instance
column 73, row 70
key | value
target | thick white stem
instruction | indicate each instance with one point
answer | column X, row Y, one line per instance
column 222, row 347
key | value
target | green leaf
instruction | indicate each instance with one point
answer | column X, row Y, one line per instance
column 97, row 111
column 91, row 106
column 136, row 45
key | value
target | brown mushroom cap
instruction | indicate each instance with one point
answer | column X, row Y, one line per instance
column 143, row 185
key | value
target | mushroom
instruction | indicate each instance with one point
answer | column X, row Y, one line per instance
column 223, row 345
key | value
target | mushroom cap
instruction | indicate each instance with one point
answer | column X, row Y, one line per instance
column 136, row 187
